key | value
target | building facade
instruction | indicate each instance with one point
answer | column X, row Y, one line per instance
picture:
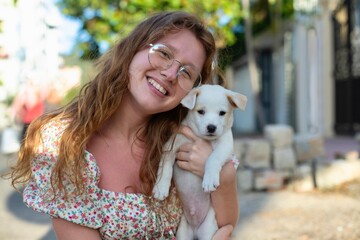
column 308, row 79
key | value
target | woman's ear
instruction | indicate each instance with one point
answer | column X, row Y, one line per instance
column 190, row 99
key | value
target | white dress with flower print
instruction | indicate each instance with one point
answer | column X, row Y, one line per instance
column 116, row 215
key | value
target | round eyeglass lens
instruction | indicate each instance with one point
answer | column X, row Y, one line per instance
column 162, row 58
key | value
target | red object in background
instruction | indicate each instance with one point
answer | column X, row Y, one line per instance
column 33, row 112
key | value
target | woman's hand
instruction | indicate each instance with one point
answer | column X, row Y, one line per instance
column 223, row 233
column 192, row 156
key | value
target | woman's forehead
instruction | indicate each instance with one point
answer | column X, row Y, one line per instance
column 185, row 45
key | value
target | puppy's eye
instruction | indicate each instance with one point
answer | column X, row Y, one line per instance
column 201, row 112
column 222, row 113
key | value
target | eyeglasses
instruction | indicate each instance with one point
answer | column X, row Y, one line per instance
column 162, row 58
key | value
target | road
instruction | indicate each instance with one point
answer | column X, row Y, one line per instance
column 279, row 215
column 16, row 220
column 287, row 215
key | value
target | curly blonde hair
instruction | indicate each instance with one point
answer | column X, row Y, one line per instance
column 101, row 97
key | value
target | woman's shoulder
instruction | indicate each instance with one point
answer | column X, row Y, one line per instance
column 55, row 126
column 51, row 133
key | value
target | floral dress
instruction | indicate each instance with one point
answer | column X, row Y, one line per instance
column 116, row 215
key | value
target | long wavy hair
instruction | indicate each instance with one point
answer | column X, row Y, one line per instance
column 100, row 98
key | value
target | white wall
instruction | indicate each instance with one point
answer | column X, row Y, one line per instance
column 324, row 26
column 244, row 121
column 313, row 57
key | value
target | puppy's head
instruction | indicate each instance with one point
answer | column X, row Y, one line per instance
column 211, row 110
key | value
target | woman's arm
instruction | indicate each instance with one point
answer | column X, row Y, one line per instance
column 66, row 230
column 192, row 157
column 225, row 197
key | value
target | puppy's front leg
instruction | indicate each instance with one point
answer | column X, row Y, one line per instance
column 164, row 174
column 223, row 149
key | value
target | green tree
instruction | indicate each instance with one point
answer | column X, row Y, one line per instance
column 104, row 22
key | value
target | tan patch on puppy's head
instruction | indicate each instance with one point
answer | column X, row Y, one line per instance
column 211, row 109
column 237, row 100
column 189, row 100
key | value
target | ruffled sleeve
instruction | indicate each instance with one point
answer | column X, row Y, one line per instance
column 80, row 209
column 235, row 161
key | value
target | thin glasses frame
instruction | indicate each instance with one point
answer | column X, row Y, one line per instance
column 161, row 57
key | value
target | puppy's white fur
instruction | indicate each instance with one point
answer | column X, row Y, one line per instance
column 210, row 117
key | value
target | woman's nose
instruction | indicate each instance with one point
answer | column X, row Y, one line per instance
column 171, row 72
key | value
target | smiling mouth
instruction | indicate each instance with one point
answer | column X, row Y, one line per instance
column 157, row 86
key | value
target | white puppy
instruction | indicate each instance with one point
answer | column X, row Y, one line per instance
column 210, row 117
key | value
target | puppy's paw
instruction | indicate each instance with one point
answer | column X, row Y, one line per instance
column 160, row 192
column 210, row 182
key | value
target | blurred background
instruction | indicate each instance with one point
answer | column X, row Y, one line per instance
column 297, row 61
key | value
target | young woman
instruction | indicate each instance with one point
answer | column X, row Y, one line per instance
column 92, row 164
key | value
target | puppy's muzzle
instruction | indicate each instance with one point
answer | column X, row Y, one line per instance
column 211, row 128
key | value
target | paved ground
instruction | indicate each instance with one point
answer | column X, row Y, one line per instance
column 287, row 215
column 17, row 222
column 280, row 215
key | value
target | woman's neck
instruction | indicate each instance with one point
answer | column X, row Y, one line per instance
column 125, row 123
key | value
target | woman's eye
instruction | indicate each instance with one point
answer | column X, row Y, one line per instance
column 165, row 54
column 185, row 73
column 201, row 112
column 222, row 113
column 188, row 74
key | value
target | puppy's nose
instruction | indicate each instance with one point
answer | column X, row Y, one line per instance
column 211, row 128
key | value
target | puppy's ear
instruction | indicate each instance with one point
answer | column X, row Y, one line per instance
column 237, row 100
column 190, row 99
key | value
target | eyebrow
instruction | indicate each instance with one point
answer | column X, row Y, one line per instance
column 174, row 50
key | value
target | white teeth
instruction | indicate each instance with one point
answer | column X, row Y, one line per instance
column 157, row 86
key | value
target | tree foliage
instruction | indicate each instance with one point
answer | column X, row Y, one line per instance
column 266, row 15
column 106, row 21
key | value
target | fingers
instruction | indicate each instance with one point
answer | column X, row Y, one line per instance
column 183, row 156
column 196, row 140
column 192, row 155
column 196, row 143
column 187, row 132
column 196, row 151
column 223, row 233
column 187, row 147
column 184, row 160
column 191, row 166
column 183, row 164
column 190, row 161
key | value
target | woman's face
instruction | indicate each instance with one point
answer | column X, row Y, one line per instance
column 153, row 90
